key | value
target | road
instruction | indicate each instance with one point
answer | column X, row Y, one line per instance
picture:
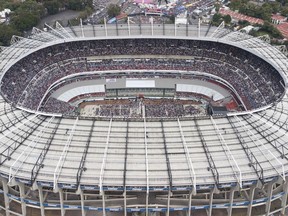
column 63, row 16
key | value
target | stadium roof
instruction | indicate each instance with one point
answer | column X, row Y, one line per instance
column 71, row 152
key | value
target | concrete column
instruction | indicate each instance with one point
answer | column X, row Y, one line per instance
column 6, row 198
column 211, row 202
column 251, row 196
column 41, row 198
column 103, row 203
column 189, row 204
column 61, row 202
column 22, row 196
column 284, row 197
column 93, row 30
column 82, row 203
column 152, row 28
column 147, row 202
column 199, row 26
column 168, row 203
column 125, row 202
column 231, row 198
column 268, row 203
column 128, row 22
column 175, row 28
column 105, row 27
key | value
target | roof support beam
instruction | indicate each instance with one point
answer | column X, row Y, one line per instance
column 31, row 42
column 253, row 162
column 14, row 168
column 188, row 158
column 278, row 120
column 81, row 167
column 9, row 150
column 229, row 155
column 283, row 49
column 266, row 150
column 126, row 153
column 72, row 29
column 62, row 158
column 104, row 159
column 43, row 36
column 209, row 157
column 282, row 149
column 147, row 166
column 167, row 157
column 56, row 33
column 218, row 29
column 7, row 125
column 59, row 27
column 2, row 48
column 39, row 163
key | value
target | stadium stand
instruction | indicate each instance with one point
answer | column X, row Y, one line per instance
column 56, row 162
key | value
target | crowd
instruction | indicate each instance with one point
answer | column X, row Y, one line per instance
column 137, row 108
column 170, row 108
column 59, row 107
column 27, row 81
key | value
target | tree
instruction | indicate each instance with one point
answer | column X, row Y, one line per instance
column 284, row 11
column 52, row 6
column 75, row 5
column 84, row 14
column 32, row 7
column 24, row 21
column 243, row 23
column 113, row 10
column 79, row 4
column 74, row 22
column 227, row 19
column 27, row 15
column 6, row 32
column 217, row 7
column 216, row 19
column 12, row 5
column 274, row 32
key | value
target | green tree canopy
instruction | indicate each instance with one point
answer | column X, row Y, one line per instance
column 267, row 28
column 27, row 15
column 24, row 21
column 263, row 12
column 31, row 6
column 113, row 10
column 52, row 6
column 227, row 19
column 274, row 32
column 6, row 32
column 79, row 4
column 216, row 19
column 284, row 11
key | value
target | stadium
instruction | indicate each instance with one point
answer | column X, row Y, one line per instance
column 143, row 120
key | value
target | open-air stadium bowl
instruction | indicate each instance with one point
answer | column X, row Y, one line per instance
column 63, row 164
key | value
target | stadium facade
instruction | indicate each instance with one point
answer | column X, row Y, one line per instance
column 65, row 165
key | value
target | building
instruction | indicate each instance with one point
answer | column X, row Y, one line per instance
column 278, row 19
column 57, row 164
column 3, row 15
column 238, row 16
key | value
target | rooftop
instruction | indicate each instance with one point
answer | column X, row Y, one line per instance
column 240, row 16
column 283, row 28
column 278, row 17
